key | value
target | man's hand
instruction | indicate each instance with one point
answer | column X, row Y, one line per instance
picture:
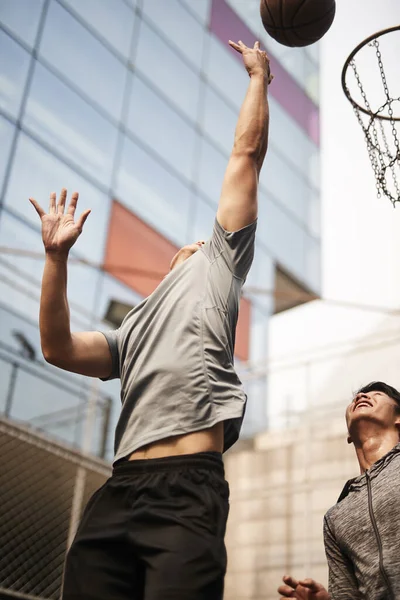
column 255, row 60
column 307, row 589
column 59, row 230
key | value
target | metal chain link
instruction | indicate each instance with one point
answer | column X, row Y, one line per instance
column 383, row 159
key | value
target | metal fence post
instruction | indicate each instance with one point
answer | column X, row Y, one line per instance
column 11, row 389
column 105, row 426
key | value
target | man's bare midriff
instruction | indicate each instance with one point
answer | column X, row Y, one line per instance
column 206, row 440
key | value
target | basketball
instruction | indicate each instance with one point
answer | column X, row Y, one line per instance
column 297, row 22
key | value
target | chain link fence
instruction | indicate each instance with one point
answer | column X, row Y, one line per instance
column 43, row 490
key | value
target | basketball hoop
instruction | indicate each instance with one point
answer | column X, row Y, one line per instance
column 378, row 113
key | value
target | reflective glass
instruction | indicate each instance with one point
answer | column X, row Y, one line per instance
column 6, row 136
column 212, row 166
column 36, row 173
column 219, row 120
column 19, row 297
column 227, row 75
column 13, row 72
column 111, row 289
column 177, row 24
column 201, row 226
column 152, row 193
column 260, row 280
column 82, row 59
column 113, row 20
column 161, row 128
column 171, row 75
column 22, row 17
column 200, row 8
column 283, row 237
column 314, row 214
column 313, row 264
column 62, row 119
column 285, row 184
column 258, row 336
column 311, row 80
column 292, row 142
column 24, row 268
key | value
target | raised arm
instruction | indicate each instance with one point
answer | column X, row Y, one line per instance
column 88, row 352
column 238, row 202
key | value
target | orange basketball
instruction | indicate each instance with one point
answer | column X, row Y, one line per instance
column 297, row 22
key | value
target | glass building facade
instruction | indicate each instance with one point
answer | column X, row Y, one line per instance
column 133, row 103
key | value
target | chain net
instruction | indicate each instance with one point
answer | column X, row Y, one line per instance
column 369, row 85
column 43, row 490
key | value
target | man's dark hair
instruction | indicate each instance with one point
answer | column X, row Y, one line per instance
column 380, row 386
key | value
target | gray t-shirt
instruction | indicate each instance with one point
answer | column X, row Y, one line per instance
column 174, row 351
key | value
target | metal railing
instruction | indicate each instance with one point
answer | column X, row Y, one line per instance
column 62, row 406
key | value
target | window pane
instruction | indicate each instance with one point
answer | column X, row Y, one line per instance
column 161, row 128
column 292, row 142
column 212, row 167
column 13, row 72
column 202, row 225
column 111, row 289
column 65, row 121
column 260, row 280
column 171, row 74
column 113, row 20
column 258, row 336
column 313, row 264
column 176, row 23
column 22, row 17
column 27, row 271
column 283, row 237
column 227, row 75
column 81, row 58
column 282, row 181
column 200, row 8
column 36, row 173
column 152, row 193
column 219, row 120
column 6, row 136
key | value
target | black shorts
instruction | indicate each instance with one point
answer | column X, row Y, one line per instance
column 154, row 531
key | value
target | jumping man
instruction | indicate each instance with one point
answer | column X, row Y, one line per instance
column 155, row 530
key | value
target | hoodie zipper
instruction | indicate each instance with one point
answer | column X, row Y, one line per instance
column 378, row 537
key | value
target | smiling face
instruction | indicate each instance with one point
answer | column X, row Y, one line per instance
column 373, row 406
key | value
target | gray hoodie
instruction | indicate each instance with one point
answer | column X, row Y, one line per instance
column 362, row 534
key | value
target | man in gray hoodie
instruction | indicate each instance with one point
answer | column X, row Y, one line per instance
column 361, row 532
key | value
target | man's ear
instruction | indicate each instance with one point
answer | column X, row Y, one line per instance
column 350, row 441
column 397, row 424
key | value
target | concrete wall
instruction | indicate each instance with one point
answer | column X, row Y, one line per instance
column 280, row 491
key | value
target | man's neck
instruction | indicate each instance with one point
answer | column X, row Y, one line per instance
column 370, row 446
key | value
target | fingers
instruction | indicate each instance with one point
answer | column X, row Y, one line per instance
column 290, row 581
column 286, row 592
column 52, row 205
column 236, row 47
column 256, row 45
column 37, row 207
column 72, row 205
column 310, row 584
column 61, row 201
column 81, row 221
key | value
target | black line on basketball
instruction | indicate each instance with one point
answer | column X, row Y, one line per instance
column 270, row 14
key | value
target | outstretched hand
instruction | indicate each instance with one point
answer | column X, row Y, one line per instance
column 254, row 59
column 306, row 589
column 59, row 229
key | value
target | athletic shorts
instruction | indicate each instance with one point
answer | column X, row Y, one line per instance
column 154, row 531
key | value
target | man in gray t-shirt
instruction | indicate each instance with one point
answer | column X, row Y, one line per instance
column 156, row 529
